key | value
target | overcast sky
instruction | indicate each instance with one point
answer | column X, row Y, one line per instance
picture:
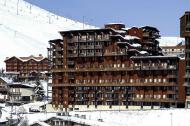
column 163, row 14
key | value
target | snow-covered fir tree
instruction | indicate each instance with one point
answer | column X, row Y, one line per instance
column 39, row 91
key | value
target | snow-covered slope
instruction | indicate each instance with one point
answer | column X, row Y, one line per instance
column 26, row 29
column 170, row 41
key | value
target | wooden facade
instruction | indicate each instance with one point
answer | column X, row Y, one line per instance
column 185, row 32
column 28, row 67
column 3, row 90
column 178, row 50
column 113, row 67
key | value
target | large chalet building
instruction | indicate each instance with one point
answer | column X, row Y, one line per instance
column 114, row 68
column 185, row 32
column 27, row 67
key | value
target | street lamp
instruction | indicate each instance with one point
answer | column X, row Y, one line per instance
column 171, row 119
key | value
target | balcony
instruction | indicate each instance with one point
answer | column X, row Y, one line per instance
column 71, row 47
column 90, row 47
column 59, row 56
column 146, row 34
column 187, row 75
column 82, row 40
column 119, row 84
column 153, row 100
column 82, row 54
column 98, row 54
column 90, row 54
column 82, row 47
column 15, row 93
column 145, row 67
column 58, row 49
column 187, row 84
column 71, row 76
column 71, row 55
column 71, row 40
column 58, row 63
column 171, row 66
column 171, row 76
column 70, row 62
column 98, row 46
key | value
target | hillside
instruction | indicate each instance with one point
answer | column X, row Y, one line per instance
column 25, row 29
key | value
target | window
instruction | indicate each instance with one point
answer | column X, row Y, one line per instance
column 164, row 96
column 131, row 80
column 137, row 95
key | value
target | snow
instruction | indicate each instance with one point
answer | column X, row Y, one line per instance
column 178, row 117
column 160, row 117
column 170, row 41
column 129, row 37
column 27, row 32
column 7, row 80
column 135, row 45
column 143, row 52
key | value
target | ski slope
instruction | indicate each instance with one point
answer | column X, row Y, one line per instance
column 171, row 41
column 25, row 29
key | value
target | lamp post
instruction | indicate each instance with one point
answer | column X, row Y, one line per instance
column 17, row 7
column 171, row 119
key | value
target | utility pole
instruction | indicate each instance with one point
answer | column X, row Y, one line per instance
column 5, row 2
column 171, row 119
column 83, row 21
column 17, row 6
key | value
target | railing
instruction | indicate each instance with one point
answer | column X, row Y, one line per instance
column 153, row 99
column 129, row 68
column 98, row 54
column 98, row 46
column 71, row 47
column 15, row 93
column 70, row 62
column 90, row 54
column 83, row 47
column 90, row 47
column 172, row 76
column 71, row 55
column 58, row 49
column 117, row 84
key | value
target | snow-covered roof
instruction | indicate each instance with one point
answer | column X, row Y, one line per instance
column 21, row 85
column 171, row 41
column 119, row 31
column 114, row 23
column 25, row 59
column 7, row 80
column 143, row 52
column 40, row 123
column 135, row 45
column 129, row 37
column 125, row 28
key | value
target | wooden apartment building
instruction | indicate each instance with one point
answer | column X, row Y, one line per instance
column 114, row 66
column 28, row 67
column 185, row 32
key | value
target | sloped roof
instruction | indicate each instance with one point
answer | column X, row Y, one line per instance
column 25, row 59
